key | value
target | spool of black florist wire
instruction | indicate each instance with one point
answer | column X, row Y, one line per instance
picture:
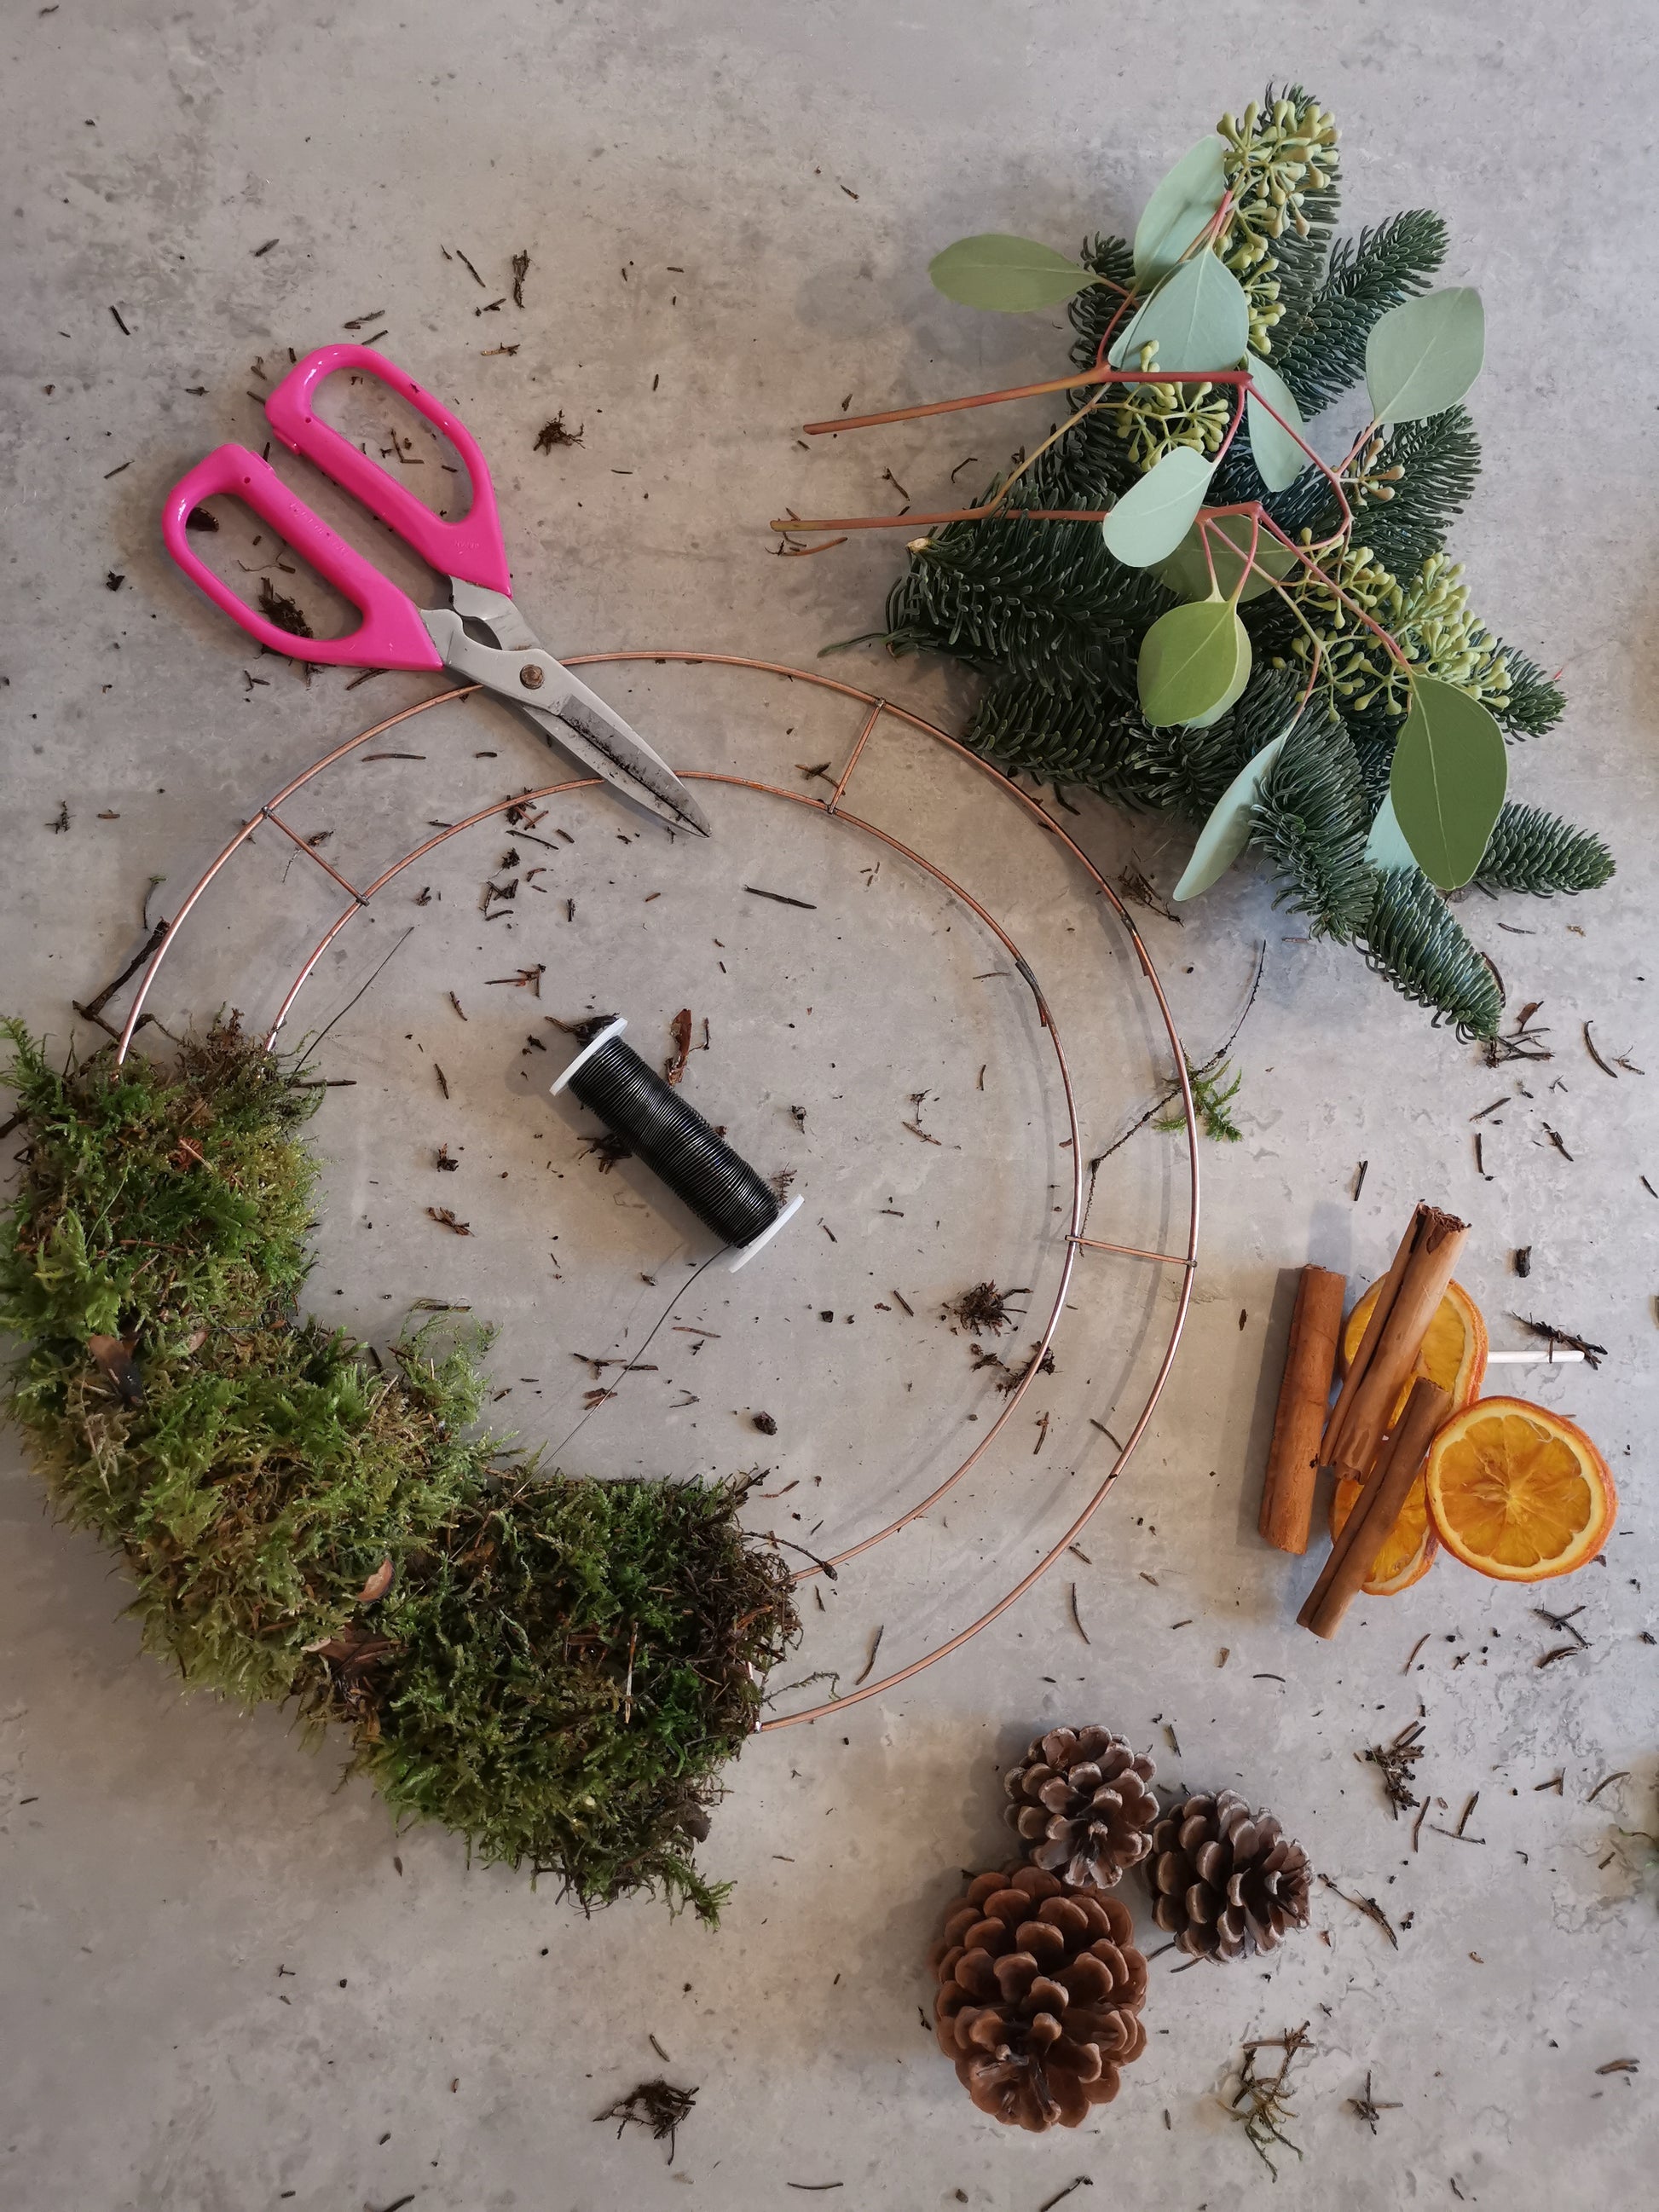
column 676, row 1143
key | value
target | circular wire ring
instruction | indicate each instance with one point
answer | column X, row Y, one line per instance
column 1075, row 1240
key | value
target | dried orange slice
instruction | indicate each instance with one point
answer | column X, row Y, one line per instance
column 1518, row 1492
column 1454, row 1351
column 1408, row 1554
column 1454, row 1355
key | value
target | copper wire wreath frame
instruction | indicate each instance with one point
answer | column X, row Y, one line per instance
column 1076, row 1241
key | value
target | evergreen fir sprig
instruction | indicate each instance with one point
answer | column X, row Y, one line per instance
column 1533, row 851
column 1329, row 585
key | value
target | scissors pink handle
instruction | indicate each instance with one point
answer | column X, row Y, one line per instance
column 470, row 548
column 392, row 634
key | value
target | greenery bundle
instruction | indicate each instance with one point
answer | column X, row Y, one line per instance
column 1181, row 605
column 554, row 1668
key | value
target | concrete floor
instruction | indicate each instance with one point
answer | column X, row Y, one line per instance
column 228, row 1984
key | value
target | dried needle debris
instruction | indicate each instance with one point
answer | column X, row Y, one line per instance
column 984, row 1307
column 1259, row 2101
column 1368, row 2107
column 1394, row 1761
column 656, row 2104
column 556, row 433
column 1368, row 1906
column 1593, row 1353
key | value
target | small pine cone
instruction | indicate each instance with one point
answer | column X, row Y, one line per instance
column 1226, row 1881
column 1083, row 1806
column 1039, row 1990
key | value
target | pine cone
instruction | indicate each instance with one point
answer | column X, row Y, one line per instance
column 1226, row 1881
column 1083, row 1807
column 1039, row 1990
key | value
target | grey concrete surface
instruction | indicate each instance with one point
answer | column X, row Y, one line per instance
column 228, row 1983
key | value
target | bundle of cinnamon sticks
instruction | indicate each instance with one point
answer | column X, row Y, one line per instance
column 1353, row 1439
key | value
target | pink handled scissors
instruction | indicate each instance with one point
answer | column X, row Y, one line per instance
column 394, row 632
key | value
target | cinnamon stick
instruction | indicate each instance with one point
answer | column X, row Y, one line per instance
column 1381, row 1307
column 1389, row 1350
column 1367, row 1528
column 1287, row 1492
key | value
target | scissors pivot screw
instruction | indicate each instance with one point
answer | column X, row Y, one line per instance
column 531, row 676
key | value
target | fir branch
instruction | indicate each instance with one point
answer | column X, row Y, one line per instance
column 1061, row 734
column 1534, row 703
column 1311, row 822
column 1413, row 939
column 1367, row 276
column 1441, row 458
column 1092, row 309
column 1533, row 851
column 1046, row 598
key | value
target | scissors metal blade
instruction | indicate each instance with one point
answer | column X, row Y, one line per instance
column 564, row 708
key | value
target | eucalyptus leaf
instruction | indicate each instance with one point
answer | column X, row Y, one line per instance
column 1199, row 318
column 1386, row 847
column 1012, row 275
column 1187, row 573
column 1423, row 355
column 1156, row 512
column 1227, row 832
column 1180, row 208
column 1229, row 698
column 1195, row 661
column 1279, row 459
column 1449, row 774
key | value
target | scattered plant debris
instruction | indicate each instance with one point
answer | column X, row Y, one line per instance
column 286, row 613
column 1522, row 1043
column 445, row 1219
column 1133, row 885
column 607, row 1148
column 1368, row 1906
column 982, row 1307
column 656, row 2104
column 1394, row 1760
column 779, row 898
column 556, row 433
column 680, row 1030
column 1258, row 2099
column 1593, row 1353
column 1369, row 2107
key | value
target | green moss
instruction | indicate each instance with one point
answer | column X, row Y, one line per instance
column 578, row 1659
column 559, row 1667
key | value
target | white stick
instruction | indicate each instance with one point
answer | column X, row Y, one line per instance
column 1550, row 1358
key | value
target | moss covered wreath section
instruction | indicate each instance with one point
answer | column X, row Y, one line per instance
column 556, row 1669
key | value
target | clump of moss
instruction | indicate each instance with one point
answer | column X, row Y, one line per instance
column 556, row 1669
column 577, row 1661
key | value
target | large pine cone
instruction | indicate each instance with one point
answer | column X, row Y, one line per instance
column 1083, row 1806
column 1039, row 1990
column 1225, row 1880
